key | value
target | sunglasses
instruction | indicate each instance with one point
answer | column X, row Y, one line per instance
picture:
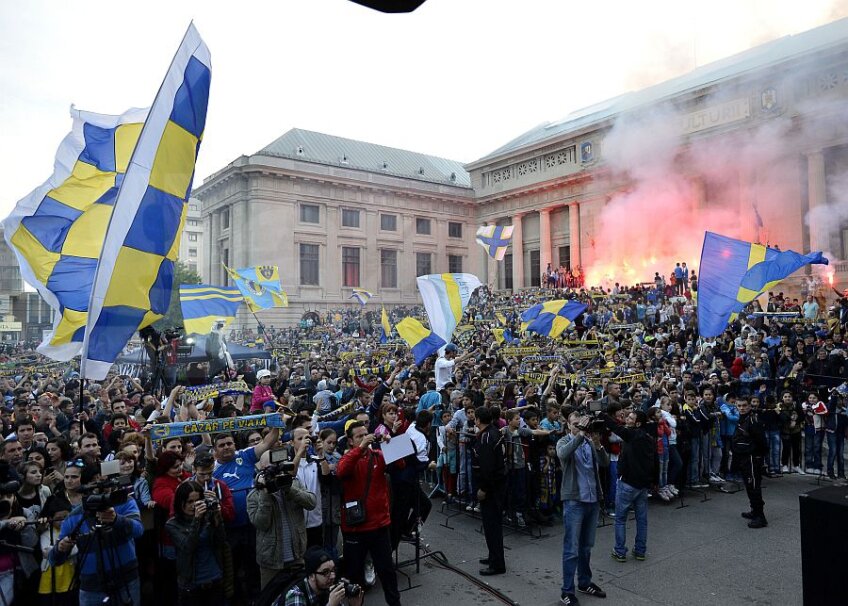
column 326, row 573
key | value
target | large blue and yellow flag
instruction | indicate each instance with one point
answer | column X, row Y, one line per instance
column 733, row 273
column 260, row 286
column 551, row 317
column 203, row 305
column 135, row 273
column 385, row 327
column 420, row 339
column 495, row 239
column 445, row 297
column 57, row 231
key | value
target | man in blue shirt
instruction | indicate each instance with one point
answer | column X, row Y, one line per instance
column 236, row 468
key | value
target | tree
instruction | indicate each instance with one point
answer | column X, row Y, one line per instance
column 174, row 317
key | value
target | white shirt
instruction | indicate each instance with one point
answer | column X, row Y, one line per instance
column 419, row 440
column 307, row 473
column 444, row 371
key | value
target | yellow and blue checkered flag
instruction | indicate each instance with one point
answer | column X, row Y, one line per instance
column 260, row 286
column 57, row 231
column 734, row 272
column 420, row 339
column 135, row 273
column 551, row 317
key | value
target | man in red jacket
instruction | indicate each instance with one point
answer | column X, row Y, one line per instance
column 361, row 467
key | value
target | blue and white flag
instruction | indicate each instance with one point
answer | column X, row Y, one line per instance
column 361, row 295
column 135, row 273
column 445, row 298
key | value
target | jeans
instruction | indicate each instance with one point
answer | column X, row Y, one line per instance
column 516, row 491
column 791, row 445
column 835, row 451
column 579, row 521
column 706, row 454
column 663, row 461
column 818, row 440
column 675, row 463
column 773, row 437
column 613, row 481
column 131, row 590
column 809, row 439
column 628, row 497
column 694, row 460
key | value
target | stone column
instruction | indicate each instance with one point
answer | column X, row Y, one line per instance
column 216, row 272
column 817, row 196
column 517, row 253
column 370, row 261
column 574, row 233
column 544, row 238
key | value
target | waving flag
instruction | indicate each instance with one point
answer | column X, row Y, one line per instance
column 385, row 327
column 135, row 273
column 420, row 339
column 203, row 304
column 260, row 286
column 445, row 298
column 57, row 231
column 495, row 239
column 361, row 295
column 552, row 317
column 733, row 273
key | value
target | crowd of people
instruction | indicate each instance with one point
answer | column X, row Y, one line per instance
column 114, row 490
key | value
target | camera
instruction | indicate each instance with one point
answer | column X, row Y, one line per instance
column 212, row 504
column 10, row 487
column 280, row 473
column 104, row 494
column 351, row 589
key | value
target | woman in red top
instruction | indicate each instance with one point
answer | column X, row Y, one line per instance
column 169, row 475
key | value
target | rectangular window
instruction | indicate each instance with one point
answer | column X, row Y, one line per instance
column 388, row 222
column 350, row 266
column 225, row 219
column 309, row 213
column 192, row 252
column 422, row 226
column 423, row 264
column 454, row 230
column 565, row 256
column 192, row 237
column 507, row 271
column 192, row 206
column 309, row 264
column 192, row 222
column 455, row 264
column 350, row 217
column 535, row 269
column 388, row 268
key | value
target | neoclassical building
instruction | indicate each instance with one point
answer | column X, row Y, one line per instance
column 759, row 136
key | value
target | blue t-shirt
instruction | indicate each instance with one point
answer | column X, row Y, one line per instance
column 238, row 476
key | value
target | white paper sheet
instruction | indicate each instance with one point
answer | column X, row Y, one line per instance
column 398, row 448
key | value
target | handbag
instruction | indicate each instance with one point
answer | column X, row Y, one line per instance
column 355, row 514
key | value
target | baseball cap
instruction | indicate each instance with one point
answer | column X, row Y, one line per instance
column 314, row 558
column 450, row 347
column 263, row 373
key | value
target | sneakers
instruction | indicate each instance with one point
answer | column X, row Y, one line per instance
column 748, row 515
column 716, row 479
column 592, row 589
column 370, row 574
column 618, row 557
column 664, row 494
column 569, row 599
column 799, row 471
column 814, row 471
column 476, row 508
column 673, row 490
column 784, row 469
column 519, row 519
column 759, row 522
column 639, row 557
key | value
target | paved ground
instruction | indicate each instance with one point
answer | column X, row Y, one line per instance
column 700, row 554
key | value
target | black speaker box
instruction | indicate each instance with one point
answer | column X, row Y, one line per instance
column 824, row 546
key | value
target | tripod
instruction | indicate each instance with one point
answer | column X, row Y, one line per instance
column 101, row 539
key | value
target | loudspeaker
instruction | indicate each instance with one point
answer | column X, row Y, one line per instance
column 391, row 6
column 824, row 549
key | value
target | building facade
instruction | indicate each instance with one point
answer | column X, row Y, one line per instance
column 758, row 137
column 192, row 242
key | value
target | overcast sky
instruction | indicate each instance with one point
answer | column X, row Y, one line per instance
column 456, row 78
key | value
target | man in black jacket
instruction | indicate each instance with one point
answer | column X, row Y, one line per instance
column 489, row 468
column 636, row 473
column 749, row 447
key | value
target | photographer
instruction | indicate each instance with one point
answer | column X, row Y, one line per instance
column 581, row 455
column 319, row 587
column 16, row 529
column 108, row 565
column 276, row 508
column 197, row 533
